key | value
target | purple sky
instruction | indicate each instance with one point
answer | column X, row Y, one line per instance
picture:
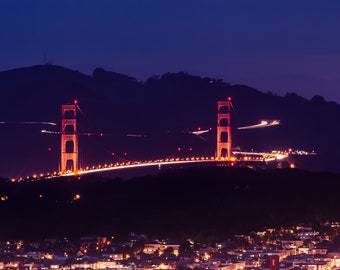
column 277, row 46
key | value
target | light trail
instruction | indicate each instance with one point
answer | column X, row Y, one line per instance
column 199, row 131
column 136, row 135
column 262, row 124
column 302, row 153
column 97, row 134
column 273, row 156
column 50, row 132
column 30, row 123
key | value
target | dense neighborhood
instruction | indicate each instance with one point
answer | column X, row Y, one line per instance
column 295, row 247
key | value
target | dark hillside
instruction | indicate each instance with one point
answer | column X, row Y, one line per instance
column 185, row 202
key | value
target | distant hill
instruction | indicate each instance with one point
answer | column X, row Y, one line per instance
column 203, row 203
column 163, row 108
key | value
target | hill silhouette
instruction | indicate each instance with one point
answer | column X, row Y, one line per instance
column 205, row 203
column 163, row 108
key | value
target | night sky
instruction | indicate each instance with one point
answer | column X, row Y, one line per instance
column 277, row 46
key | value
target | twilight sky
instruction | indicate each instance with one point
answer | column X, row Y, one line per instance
column 279, row 46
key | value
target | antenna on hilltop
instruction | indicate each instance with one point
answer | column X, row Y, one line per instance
column 48, row 62
column 44, row 59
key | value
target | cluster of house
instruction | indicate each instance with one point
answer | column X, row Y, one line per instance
column 297, row 248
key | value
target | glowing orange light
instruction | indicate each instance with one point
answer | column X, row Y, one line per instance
column 206, row 256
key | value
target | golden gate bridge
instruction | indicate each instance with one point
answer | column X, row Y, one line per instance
column 224, row 156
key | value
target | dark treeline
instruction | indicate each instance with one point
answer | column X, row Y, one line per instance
column 202, row 203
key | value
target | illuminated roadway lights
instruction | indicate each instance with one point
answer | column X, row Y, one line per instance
column 140, row 164
column 259, row 157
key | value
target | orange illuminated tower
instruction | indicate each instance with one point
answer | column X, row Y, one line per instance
column 223, row 149
column 69, row 138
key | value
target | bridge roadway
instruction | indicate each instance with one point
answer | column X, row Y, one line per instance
column 239, row 157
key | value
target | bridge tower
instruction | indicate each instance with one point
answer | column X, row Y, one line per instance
column 69, row 138
column 223, row 149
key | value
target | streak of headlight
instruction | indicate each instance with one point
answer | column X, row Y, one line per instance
column 49, row 132
column 95, row 134
column 31, row 123
column 263, row 124
column 199, row 132
column 80, row 110
column 136, row 135
column 43, row 123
